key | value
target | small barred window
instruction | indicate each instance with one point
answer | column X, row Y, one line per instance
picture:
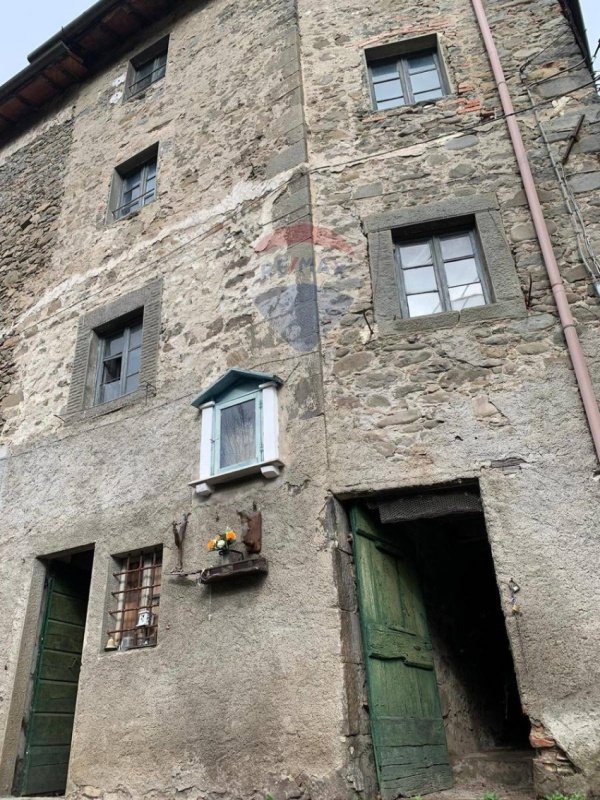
column 135, row 601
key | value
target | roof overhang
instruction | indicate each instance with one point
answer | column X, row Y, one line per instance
column 72, row 54
column 574, row 15
column 229, row 379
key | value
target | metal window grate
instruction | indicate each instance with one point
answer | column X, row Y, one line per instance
column 136, row 600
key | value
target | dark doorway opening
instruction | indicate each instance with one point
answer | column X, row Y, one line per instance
column 474, row 666
column 427, row 557
column 48, row 724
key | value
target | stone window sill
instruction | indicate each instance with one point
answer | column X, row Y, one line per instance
column 108, row 408
column 268, row 469
column 505, row 309
column 374, row 114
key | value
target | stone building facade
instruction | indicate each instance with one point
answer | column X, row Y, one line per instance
column 266, row 264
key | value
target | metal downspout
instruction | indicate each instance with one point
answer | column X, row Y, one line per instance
column 580, row 367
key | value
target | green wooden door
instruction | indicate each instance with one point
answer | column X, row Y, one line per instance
column 406, row 721
column 49, row 726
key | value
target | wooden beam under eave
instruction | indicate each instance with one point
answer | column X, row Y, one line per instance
column 137, row 13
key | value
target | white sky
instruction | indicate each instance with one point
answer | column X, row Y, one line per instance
column 25, row 24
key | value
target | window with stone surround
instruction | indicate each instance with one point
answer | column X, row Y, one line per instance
column 116, row 354
column 134, row 184
column 119, row 359
column 406, row 73
column 441, row 272
column 147, row 68
column 436, row 265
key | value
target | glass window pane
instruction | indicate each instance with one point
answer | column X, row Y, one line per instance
column 111, row 370
column 128, row 208
column 415, row 255
column 150, row 168
column 132, row 180
column 113, row 345
column 238, row 434
column 457, row 246
column 384, row 72
column 130, row 198
column 135, row 337
column 425, row 82
column 110, row 391
column 421, row 279
column 420, row 304
column 383, row 104
column 133, row 361
column 466, row 296
column 388, row 90
column 421, row 97
column 132, row 383
column 461, row 272
column 145, row 69
column 420, row 63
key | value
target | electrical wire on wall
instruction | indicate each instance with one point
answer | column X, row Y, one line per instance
column 584, row 245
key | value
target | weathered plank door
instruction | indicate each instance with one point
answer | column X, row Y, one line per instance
column 49, row 726
column 406, row 721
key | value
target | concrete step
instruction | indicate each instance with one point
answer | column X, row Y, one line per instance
column 496, row 770
column 478, row 794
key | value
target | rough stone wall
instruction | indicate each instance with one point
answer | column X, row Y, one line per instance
column 31, row 191
column 261, row 687
column 427, row 406
column 244, row 693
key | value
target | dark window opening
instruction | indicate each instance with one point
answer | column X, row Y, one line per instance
column 149, row 72
column 138, row 188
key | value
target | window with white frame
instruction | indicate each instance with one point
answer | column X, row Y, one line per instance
column 240, row 428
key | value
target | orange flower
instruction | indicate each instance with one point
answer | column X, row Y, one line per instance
column 211, row 544
column 230, row 536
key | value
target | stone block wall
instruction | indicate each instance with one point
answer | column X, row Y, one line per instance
column 243, row 693
column 486, row 399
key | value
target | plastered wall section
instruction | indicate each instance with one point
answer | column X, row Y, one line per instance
column 418, row 405
column 243, row 693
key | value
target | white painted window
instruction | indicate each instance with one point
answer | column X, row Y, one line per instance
column 239, row 429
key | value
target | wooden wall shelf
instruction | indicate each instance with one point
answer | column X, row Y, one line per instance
column 235, row 569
